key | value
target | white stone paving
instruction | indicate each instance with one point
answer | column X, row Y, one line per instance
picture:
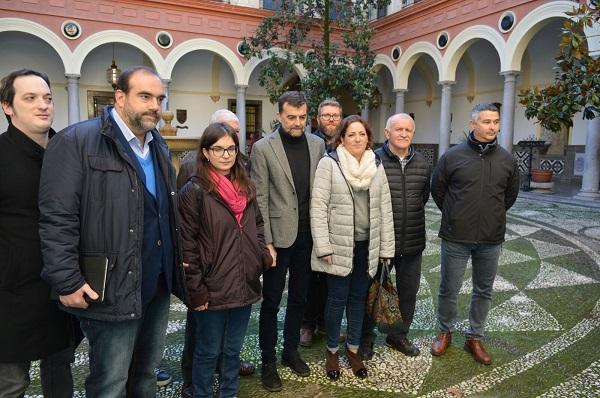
column 547, row 249
column 551, row 275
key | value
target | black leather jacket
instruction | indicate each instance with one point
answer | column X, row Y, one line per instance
column 91, row 203
column 474, row 185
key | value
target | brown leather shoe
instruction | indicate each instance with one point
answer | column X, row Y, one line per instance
column 332, row 365
column 479, row 353
column 246, row 369
column 358, row 367
column 306, row 337
column 441, row 343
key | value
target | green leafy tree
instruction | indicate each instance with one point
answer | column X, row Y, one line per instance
column 576, row 86
column 328, row 38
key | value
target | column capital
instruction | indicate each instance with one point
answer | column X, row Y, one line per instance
column 508, row 73
column 241, row 86
column 446, row 83
column 165, row 81
column 72, row 76
column 399, row 90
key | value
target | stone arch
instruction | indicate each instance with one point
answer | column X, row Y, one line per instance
column 237, row 69
column 386, row 61
column 42, row 33
column 411, row 55
column 463, row 40
column 117, row 36
column 254, row 62
column 529, row 26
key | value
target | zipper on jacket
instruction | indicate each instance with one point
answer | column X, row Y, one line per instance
column 481, row 180
column 404, row 211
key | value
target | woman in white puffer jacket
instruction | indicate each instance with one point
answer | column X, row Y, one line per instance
column 352, row 229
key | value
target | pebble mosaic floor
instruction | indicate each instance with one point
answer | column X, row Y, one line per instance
column 543, row 329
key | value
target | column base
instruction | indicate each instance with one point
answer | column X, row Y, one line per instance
column 587, row 194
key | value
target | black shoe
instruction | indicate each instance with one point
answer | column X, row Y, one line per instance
column 270, row 378
column 403, row 345
column 293, row 361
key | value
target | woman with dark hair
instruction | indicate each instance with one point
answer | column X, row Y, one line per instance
column 225, row 253
column 352, row 229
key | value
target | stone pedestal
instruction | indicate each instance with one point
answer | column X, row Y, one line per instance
column 542, row 187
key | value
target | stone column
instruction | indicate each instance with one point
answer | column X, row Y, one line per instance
column 240, row 106
column 591, row 166
column 364, row 112
column 445, row 107
column 73, row 98
column 507, row 122
column 165, row 103
column 400, row 100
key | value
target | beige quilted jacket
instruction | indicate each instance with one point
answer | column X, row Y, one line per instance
column 332, row 219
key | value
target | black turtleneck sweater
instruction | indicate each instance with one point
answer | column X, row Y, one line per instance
column 296, row 151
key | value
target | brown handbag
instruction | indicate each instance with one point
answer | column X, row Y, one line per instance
column 383, row 305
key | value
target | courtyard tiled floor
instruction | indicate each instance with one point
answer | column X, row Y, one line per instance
column 543, row 329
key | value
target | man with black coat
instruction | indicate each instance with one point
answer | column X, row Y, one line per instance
column 33, row 326
column 473, row 184
column 408, row 174
column 107, row 192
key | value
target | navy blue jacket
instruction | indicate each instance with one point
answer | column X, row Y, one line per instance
column 92, row 203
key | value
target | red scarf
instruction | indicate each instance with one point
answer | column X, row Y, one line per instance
column 230, row 193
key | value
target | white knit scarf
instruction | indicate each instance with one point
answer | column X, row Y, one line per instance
column 358, row 174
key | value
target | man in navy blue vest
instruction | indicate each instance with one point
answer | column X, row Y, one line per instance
column 107, row 191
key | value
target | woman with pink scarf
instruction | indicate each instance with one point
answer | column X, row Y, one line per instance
column 225, row 254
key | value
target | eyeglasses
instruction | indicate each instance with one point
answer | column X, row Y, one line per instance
column 328, row 116
column 219, row 151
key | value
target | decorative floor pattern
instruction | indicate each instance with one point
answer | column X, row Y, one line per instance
column 545, row 304
column 584, row 385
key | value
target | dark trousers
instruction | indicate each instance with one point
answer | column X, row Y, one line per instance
column 187, row 356
column 408, row 279
column 219, row 339
column 55, row 376
column 123, row 355
column 348, row 293
column 314, row 314
column 296, row 259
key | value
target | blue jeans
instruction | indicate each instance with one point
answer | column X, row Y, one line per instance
column 350, row 293
column 454, row 261
column 219, row 338
column 124, row 354
column 296, row 259
column 55, row 375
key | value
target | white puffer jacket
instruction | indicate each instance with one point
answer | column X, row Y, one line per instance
column 332, row 219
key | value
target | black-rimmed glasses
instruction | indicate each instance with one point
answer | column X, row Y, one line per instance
column 220, row 151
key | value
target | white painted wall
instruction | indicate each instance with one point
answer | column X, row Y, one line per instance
column 191, row 84
column 39, row 56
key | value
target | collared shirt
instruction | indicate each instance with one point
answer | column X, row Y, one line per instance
column 133, row 141
column 404, row 160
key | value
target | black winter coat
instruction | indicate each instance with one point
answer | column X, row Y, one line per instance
column 225, row 260
column 92, row 204
column 410, row 192
column 32, row 325
column 474, row 186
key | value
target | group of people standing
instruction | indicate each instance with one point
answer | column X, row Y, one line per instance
column 323, row 211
